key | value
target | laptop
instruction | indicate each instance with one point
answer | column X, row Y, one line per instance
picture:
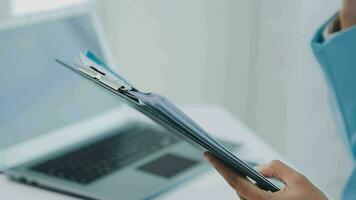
column 60, row 133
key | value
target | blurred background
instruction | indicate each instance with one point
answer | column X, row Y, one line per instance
column 251, row 57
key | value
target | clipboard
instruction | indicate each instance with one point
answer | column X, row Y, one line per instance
column 163, row 112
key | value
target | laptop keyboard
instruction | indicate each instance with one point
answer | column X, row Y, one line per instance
column 105, row 156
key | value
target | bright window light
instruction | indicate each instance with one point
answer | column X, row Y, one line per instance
column 21, row 7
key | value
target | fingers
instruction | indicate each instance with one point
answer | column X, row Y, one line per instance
column 229, row 175
column 242, row 186
column 279, row 170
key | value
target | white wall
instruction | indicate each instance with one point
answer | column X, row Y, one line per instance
column 4, row 8
column 274, row 56
column 243, row 31
column 191, row 51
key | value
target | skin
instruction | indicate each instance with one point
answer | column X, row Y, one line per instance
column 297, row 186
column 348, row 14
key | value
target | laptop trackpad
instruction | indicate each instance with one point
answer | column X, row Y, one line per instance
column 168, row 165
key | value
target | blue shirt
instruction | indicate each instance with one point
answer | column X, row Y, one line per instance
column 337, row 56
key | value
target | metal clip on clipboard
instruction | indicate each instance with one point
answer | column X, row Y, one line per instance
column 101, row 76
column 91, row 67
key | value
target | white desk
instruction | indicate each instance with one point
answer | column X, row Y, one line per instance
column 207, row 186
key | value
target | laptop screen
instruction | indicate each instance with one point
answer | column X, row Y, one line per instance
column 38, row 97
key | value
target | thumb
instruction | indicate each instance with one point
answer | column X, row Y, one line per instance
column 279, row 170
